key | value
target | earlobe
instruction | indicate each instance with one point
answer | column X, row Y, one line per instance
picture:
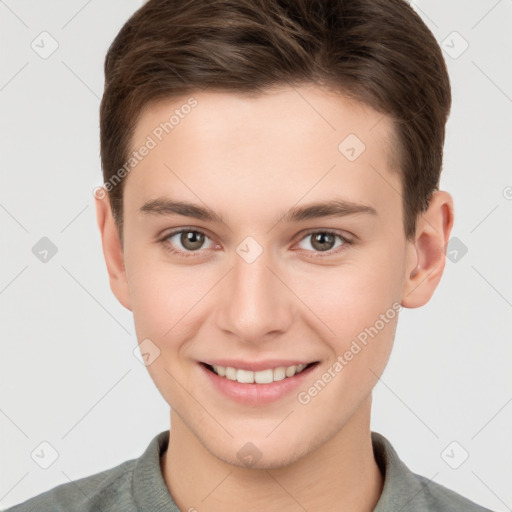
column 112, row 250
column 425, row 258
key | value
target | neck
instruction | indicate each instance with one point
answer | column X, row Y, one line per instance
column 340, row 475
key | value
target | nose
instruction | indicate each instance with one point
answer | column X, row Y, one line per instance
column 255, row 304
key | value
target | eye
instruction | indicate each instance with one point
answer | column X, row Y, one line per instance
column 325, row 242
column 190, row 240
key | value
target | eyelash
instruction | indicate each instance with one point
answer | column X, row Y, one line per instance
column 317, row 254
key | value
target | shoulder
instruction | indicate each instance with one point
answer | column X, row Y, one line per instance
column 406, row 491
column 438, row 497
column 134, row 485
column 107, row 490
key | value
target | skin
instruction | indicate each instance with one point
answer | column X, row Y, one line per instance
column 250, row 159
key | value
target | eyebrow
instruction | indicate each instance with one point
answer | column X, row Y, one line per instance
column 332, row 208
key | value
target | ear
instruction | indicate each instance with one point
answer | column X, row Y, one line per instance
column 112, row 249
column 426, row 253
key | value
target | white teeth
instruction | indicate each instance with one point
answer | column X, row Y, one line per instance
column 260, row 377
column 230, row 373
column 245, row 376
column 279, row 373
column 264, row 377
column 291, row 370
column 220, row 370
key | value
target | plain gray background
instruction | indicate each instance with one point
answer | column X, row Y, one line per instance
column 68, row 376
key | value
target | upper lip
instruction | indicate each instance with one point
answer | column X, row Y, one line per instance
column 256, row 366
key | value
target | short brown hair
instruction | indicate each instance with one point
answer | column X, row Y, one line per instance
column 379, row 52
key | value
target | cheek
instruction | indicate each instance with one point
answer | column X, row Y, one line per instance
column 170, row 304
column 365, row 332
column 162, row 294
column 356, row 307
column 163, row 300
column 350, row 297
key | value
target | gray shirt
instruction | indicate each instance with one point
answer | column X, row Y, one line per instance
column 137, row 485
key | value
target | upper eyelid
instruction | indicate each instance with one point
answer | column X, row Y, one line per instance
column 185, row 230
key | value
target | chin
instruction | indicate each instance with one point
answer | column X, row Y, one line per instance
column 250, row 457
column 263, row 452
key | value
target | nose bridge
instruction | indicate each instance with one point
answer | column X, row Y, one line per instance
column 254, row 303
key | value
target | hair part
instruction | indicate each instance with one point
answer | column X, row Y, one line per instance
column 378, row 52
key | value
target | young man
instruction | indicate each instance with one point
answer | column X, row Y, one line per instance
column 270, row 204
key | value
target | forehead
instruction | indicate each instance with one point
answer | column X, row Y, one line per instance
column 284, row 145
column 286, row 110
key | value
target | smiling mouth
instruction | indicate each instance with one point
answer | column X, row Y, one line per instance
column 258, row 377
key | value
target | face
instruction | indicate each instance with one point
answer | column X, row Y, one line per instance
column 269, row 280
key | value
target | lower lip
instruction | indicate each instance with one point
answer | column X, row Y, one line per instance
column 256, row 394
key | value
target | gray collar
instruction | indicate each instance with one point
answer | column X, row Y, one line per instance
column 403, row 490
